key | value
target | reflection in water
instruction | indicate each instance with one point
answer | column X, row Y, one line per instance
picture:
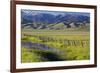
column 40, row 47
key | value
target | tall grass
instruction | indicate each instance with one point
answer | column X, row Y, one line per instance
column 72, row 47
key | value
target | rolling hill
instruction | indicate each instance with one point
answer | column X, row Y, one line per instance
column 45, row 20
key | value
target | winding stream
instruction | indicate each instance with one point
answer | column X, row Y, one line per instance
column 40, row 47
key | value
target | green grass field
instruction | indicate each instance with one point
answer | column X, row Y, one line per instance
column 54, row 45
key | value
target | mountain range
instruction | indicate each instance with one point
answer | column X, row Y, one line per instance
column 45, row 20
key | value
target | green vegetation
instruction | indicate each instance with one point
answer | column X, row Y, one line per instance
column 29, row 55
column 66, row 45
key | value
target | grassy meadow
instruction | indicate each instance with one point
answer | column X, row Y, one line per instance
column 54, row 45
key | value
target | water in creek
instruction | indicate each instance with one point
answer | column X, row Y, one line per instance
column 52, row 56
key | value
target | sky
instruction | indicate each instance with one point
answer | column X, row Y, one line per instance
column 35, row 12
